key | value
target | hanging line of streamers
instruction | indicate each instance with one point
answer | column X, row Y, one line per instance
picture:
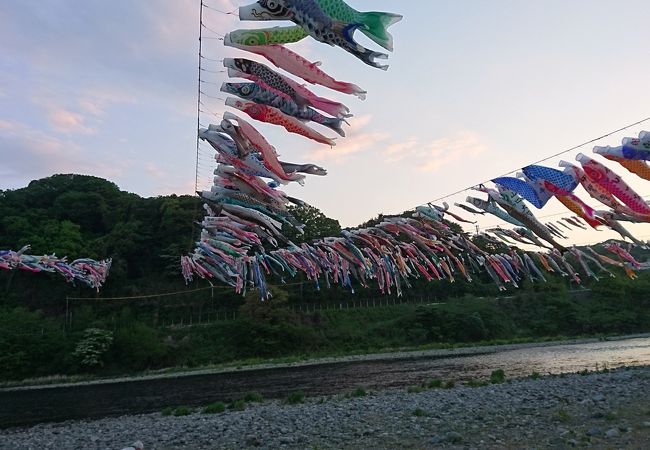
column 88, row 271
column 243, row 239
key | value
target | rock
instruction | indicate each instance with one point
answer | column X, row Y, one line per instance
column 612, row 433
column 594, row 431
column 286, row 440
column 253, row 441
column 598, row 398
column 572, row 442
column 436, row 439
column 453, row 437
column 646, row 424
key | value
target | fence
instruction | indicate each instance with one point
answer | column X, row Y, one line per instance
column 176, row 311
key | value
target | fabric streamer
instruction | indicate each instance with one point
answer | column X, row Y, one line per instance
column 88, row 271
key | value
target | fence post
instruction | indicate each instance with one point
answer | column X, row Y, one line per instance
column 67, row 309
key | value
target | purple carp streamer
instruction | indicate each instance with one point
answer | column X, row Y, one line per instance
column 88, row 271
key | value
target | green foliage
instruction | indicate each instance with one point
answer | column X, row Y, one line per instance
column 317, row 224
column 138, row 347
column 214, row 408
column 30, row 344
column 497, row 376
column 91, row 350
column 167, row 411
column 294, row 398
column 238, row 405
column 419, row 412
column 254, row 397
column 535, row 375
column 449, row 384
column 434, row 383
column 476, row 383
column 563, row 415
column 182, row 411
column 359, row 392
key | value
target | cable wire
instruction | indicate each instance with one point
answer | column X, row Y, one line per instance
column 543, row 159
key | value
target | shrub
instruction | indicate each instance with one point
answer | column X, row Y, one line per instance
column 497, row 376
column 419, row 412
column 476, row 383
column 91, row 350
column 238, row 405
column 214, row 408
column 535, row 375
column 138, row 347
column 359, row 392
column 31, row 345
column 167, row 411
column 182, row 411
column 255, row 397
column 435, row 383
column 449, row 384
column 295, row 398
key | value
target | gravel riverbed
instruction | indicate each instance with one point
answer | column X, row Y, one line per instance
column 596, row 410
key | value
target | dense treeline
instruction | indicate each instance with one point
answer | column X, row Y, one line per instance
column 41, row 333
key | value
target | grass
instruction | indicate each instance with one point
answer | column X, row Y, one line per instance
column 419, row 412
column 167, row 411
column 415, row 389
column 449, row 384
column 182, row 411
column 535, row 375
column 294, row 398
column 476, row 383
column 563, row 416
column 434, row 383
column 238, row 405
column 359, row 392
column 214, row 408
column 253, row 397
column 497, row 376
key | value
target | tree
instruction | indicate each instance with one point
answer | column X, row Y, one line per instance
column 317, row 224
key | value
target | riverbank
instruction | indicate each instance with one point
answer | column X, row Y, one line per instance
column 456, row 350
column 602, row 410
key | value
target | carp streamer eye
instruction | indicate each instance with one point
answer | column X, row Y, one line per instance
column 252, row 40
column 245, row 90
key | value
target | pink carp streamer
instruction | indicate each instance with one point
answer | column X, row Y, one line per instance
column 295, row 64
column 272, row 115
column 88, row 271
column 609, row 180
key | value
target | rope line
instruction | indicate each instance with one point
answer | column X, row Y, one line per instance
column 543, row 159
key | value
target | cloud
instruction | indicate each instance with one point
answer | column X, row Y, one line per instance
column 64, row 121
column 95, row 100
column 399, row 151
column 28, row 153
column 359, row 139
column 443, row 152
column 436, row 154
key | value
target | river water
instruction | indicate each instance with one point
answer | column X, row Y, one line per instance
column 516, row 361
column 28, row 405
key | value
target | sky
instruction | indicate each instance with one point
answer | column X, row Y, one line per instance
column 476, row 89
